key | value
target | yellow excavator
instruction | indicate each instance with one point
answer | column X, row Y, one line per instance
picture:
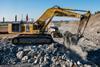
column 38, row 33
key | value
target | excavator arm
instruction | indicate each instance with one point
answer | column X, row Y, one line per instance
column 46, row 18
column 51, row 12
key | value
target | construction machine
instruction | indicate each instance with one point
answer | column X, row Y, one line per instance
column 38, row 33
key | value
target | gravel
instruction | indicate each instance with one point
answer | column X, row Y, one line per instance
column 54, row 55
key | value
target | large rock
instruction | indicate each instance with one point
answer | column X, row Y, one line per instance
column 20, row 54
column 27, row 48
column 25, row 59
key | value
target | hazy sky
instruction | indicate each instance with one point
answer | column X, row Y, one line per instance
column 35, row 8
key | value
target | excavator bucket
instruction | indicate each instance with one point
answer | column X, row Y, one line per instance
column 33, row 39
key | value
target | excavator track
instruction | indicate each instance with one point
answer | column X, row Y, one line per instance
column 33, row 39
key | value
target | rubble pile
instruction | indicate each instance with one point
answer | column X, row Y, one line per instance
column 53, row 55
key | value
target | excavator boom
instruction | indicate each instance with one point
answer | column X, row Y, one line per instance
column 62, row 12
column 51, row 12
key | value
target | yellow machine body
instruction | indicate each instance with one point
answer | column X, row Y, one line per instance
column 22, row 28
column 38, row 30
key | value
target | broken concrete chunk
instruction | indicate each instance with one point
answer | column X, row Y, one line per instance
column 20, row 54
